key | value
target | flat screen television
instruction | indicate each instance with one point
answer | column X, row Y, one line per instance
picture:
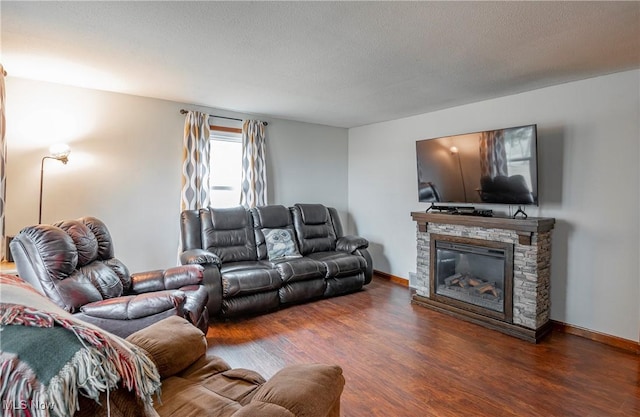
column 490, row 167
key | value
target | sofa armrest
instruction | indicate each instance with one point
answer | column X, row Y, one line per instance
column 199, row 257
column 310, row 390
column 368, row 272
column 173, row 344
column 133, row 307
column 351, row 243
column 195, row 306
column 167, row 279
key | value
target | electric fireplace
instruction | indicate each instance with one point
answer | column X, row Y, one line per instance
column 473, row 274
column 491, row 271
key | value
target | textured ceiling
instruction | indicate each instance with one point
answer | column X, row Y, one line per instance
column 342, row 64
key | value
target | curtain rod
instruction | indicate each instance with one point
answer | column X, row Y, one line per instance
column 183, row 111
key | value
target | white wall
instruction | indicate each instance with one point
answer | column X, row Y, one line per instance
column 126, row 160
column 308, row 164
column 589, row 153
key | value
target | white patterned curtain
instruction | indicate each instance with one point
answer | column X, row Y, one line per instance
column 195, row 166
column 493, row 155
column 254, row 170
column 3, row 162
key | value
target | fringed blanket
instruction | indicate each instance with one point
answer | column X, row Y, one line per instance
column 47, row 357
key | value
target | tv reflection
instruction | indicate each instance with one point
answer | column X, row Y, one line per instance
column 496, row 166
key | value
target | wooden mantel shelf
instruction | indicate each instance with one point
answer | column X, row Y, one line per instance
column 530, row 224
column 525, row 228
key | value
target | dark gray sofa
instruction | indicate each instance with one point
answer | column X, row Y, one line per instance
column 251, row 265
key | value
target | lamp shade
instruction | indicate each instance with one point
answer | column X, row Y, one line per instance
column 60, row 151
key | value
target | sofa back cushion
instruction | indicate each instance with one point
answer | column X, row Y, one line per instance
column 228, row 232
column 314, row 228
column 71, row 262
column 96, row 256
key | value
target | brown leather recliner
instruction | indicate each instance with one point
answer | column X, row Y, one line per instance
column 73, row 264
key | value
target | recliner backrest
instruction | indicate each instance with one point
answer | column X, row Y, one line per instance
column 70, row 262
column 269, row 217
column 228, row 232
column 314, row 228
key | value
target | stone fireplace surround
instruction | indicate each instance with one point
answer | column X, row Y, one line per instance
column 531, row 240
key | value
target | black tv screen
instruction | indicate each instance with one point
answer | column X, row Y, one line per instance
column 490, row 167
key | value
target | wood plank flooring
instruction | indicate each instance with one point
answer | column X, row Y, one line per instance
column 403, row 360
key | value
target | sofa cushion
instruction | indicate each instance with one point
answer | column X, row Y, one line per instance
column 266, row 218
column 131, row 307
column 272, row 217
column 313, row 213
column 281, row 244
column 218, row 393
column 340, row 264
column 121, row 271
column 238, row 384
column 300, row 291
column 245, row 265
column 100, row 231
column 244, row 278
column 73, row 292
column 300, row 269
column 106, row 281
column 183, row 398
column 314, row 229
column 249, row 304
column 302, row 390
column 231, row 218
column 228, row 232
column 52, row 245
column 343, row 285
column 83, row 238
column 172, row 343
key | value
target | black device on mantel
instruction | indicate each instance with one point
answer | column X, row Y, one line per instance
column 462, row 210
column 471, row 211
column 476, row 212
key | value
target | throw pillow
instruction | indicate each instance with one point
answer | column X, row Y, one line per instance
column 280, row 244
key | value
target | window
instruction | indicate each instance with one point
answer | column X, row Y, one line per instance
column 519, row 148
column 225, row 172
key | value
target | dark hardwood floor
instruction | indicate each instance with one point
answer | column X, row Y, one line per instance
column 403, row 360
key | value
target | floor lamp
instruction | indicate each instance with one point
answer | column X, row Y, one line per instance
column 59, row 152
column 454, row 151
